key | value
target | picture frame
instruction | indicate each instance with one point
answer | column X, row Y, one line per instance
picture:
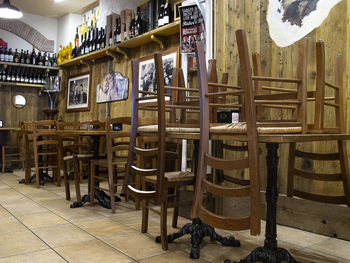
column 147, row 79
column 78, row 92
column 114, row 87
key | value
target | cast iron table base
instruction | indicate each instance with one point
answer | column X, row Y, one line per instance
column 198, row 230
column 102, row 198
column 270, row 253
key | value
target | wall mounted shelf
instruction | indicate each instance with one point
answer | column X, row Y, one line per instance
column 12, row 64
column 19, row 84
column 157, row 35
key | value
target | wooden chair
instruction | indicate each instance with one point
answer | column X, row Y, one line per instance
column 166, row 184
column 76, row 153
column 321, row 102
column 47, row 154
column 117, row 143
column 240, row 131
column 13, row 153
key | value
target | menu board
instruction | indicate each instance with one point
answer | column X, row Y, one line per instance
column 192, row 27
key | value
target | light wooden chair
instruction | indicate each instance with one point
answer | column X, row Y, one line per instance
column 322, row 101
column 117, row 144
column 13, row 153
column 165, row 184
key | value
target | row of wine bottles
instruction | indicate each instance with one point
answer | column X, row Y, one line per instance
column 22, row 75
column 165, row 13
column 25, row 58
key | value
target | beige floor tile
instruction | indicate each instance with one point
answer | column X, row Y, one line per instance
column 56, row 204
column 4, row 212
column 10, row 224
column 42, row 195
column 126, row 243
column 78, row 214
column 43, row 256
column 312, row 256
column 92, row 252
column 24, row 207
column 9, row 195
column 41, row 219
column 172, row 257
column 20, row 242
column 334, row 247
column 103, row 227
column 60, row 235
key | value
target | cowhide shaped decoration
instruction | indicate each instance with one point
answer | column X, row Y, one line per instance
column 290, row 20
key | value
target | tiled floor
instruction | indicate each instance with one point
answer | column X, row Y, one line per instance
column 37, row 225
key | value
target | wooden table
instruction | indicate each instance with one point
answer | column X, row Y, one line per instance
column 270, row 252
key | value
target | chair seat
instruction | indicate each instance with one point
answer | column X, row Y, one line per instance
column 118, row 161
column 241, row 128
column 178, row 176
column 79, row 156
column 154, row 128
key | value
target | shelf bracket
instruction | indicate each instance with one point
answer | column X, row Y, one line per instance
column 124, row 51
column 161, row 40
column 87, row 63
column 114, row 55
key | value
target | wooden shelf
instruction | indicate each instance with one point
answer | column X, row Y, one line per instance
column 28, row 66
column 157, row 35
column 17, row 84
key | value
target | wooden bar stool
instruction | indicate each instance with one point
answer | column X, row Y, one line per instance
column 13, row 153
column 322, row 101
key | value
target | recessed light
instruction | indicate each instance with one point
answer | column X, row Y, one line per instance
column 57, row 1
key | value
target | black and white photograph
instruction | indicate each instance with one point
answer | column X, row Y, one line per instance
column 147, row 79
column 291, row 20
column 78, row 93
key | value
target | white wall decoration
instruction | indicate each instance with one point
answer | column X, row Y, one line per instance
column 290, row 20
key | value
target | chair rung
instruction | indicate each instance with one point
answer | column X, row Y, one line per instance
column 140, row 194
column 276, row 79
column 280, row 96
column 317, row 156
column 146, row 152
column 223, row 222
column 223, row 191
column 318, row 176
column 143, row 172
column 320, row 198
column 277, row 102
column 222, row 164
column 332, row 86
column 154, row 210
column 179, row 204
column 235, row 180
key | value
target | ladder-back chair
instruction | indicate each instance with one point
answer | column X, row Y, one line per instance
column 322, row 100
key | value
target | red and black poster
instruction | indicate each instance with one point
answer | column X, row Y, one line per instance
column 192, row 27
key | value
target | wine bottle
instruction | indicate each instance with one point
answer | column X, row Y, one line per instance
column 3, row 74
column 10, row 55
column 28, row 60
column 161, row 14
column 97, row 40
column 22, row 76
column 91, row 46
column 39, row 60
column 87, row 44
column 13, row 75
column 22, row 57
column 6, row 55
column 119, row 32
column 125, row 36
column 76, row 43
column 167, row 14
column 2, row 56
column 26, row 76
column 132, row 26
column 103, row 42
column 18, row 76
column 138, row 23
column 16, row 57
column 110, row 38
column 33, row 59
column 115, row 31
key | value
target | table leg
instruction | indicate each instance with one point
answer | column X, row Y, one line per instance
column 270, row 253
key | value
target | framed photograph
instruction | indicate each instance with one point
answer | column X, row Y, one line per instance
column 147, row 78
column 78, row 92
column 114, row 87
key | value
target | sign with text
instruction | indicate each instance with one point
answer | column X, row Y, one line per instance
column 192, row 27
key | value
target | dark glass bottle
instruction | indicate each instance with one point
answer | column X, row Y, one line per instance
column 22, row 57
column 87, row 44
column 103, row 42
column 161, row 14
column 33, row 57
column 97, row 41
column 125, row 36
column 92, row 41
column 21, row 76
column 16, row 57
column 8, row 74
column 2, row 56
column 138, row 23
column 3, row 75
column 26, row 76
column 39, row 59
column 167, row 14
column 119, row 32
column 18, row 75
column 110, row 38
column 13, row 75
column 6, row 55
column 132, row 27
column 115, row 31
column 10, row 55
column 28, row 60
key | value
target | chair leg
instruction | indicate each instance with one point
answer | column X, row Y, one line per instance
column 291, row 166
column 92, row 182
column 66, row 182
column 344, row 165
column 163, row 226
column 176, row 209
column 58, row 171
column 3, row 158
column 145, row 212
column 77, row 179
column 111, row 175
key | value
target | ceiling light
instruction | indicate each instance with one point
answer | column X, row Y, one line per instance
column 57, row 1
column 9, row 11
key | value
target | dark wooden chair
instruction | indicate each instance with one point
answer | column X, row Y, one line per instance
column 117, row 145
column 47, row 154
column 322, row 99
column 76, row 155
column 165, row 183
column 13, row 153
column 246, row 131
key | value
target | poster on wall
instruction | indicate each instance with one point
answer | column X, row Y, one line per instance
column 192, row 27
column 114, row 87
column 291, row 20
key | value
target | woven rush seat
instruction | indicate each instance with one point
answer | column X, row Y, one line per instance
column 154, row 128
column 70, row 157
column 241, row 128
column 173, row 177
